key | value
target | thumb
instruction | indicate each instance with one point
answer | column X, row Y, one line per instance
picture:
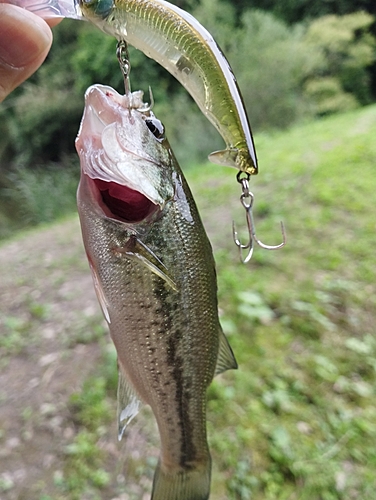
column 25, row 40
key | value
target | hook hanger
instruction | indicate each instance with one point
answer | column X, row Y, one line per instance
column 246, row 199
column 123, row 57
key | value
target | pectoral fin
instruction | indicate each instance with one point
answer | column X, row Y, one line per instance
column 128, row 404
column 147, row 257
column 225, row 157
column 226, row 359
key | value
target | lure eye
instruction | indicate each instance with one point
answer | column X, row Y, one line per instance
column 156, row 128
column 101, row 8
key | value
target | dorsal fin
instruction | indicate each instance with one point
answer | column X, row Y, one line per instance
column 226, row 359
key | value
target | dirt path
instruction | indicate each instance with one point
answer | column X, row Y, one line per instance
column 41, row 304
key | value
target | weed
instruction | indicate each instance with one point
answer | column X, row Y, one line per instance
column 13, row 339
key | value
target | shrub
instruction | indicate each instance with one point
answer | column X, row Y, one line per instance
column 346, row 49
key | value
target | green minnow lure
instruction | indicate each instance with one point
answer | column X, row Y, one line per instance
column 177, row 41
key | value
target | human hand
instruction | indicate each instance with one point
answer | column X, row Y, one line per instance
column 25, row 40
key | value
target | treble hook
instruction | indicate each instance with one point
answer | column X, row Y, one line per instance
column 146, row 108
column 246, row 199
column 123, row 57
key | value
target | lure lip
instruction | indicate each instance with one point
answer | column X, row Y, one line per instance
column 50, row 9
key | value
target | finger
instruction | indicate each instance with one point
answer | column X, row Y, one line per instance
column 25, row 40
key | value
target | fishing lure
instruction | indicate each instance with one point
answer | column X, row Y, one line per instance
column 177, row 41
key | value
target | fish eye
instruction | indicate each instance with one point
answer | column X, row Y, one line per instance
column 156, row 127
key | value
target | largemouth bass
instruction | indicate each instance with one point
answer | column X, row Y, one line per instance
column 155, row 279
column 177, row 41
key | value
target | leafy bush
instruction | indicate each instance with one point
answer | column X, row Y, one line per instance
column 271, row 62
column 346, row 48
column 327, row 96
column 44, row 124
column 43, row 194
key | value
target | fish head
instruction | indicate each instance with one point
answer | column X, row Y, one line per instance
column 125, row 158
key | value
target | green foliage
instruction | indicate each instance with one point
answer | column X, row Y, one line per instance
column 298, row 416
column 270, row 61
column 42, row 116
column 90, row 406
column 12, row 341
column 93, row 60
column 43, row 195
column 294, row 11
column 83, row 471
column 327, row 96
column 346, row 49
column 44, row 123
column 219, row 19
column 286, row 73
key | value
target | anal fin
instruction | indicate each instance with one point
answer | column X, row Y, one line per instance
column 128, row 403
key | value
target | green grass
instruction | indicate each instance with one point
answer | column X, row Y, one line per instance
column 297, row 421
column 298, row 417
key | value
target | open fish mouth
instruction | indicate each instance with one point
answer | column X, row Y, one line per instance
column 120, row 202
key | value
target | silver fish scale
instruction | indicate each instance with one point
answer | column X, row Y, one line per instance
column 166, row 339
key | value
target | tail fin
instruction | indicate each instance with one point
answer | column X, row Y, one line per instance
column 192, row 484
